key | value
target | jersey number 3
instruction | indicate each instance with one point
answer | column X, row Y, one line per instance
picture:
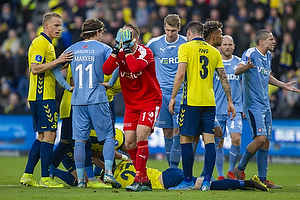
column 204, row 71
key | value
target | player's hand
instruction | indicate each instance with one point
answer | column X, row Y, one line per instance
column 71, row 89
column 231, row 110
column 66, row 57
column 243, row 115
column 172, row 106
column 105, row 85
column 119, row 38
column 289, row 86
column 250, row 64
column 127, row 40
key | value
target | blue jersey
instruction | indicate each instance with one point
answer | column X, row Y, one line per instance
column 235, row 84
column 256, row 80
column 166, row 61
column 86, row 67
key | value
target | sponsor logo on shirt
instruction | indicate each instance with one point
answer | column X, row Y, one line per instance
column 264, row 70
column 130, row 75
column 168, row 60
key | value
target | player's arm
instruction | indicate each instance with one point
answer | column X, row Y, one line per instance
column 56, row 71
column 110, row 65
column 288, row 86
column 241, row 68
column 178, row 80
column 135, row 65
column 37, row 68
column 227, row 89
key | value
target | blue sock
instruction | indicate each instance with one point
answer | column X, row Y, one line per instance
column 68, row 160
column 66, row 177
column 187, row 161
column 194, row 144
column 220, row 161
column 109, row 153
column 262, row 163
column 217, row 141
column 226, row 184
column 97, row 171
column 234, row 154
column 210, row 159
column 245, row 159
column 175, row 152
column 33, row 157
column 46, row 157
column 59, row 152
column 89, row 160
column 168, row 147
column 79, row 155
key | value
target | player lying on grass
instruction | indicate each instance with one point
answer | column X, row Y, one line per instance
column 70, row 176
column 171, row 177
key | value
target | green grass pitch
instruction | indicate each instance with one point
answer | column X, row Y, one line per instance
column 11, row 169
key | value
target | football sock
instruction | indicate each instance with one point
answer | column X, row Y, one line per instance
column 79, row 155
column 168, row 147
column 89, row 160
column 59, row 152
column 141, row 160
column 262, row 163
column 132, row 153
column 245, row 159
column 68, row 160
column 194, row 144
column 217, row 141
column 234, row 154
column 210, row 159
column 220, row 161
column 97, row 171
column 187, row 156
column 46, row 157
column 33, row 157
column 66, row 177
column 109, row 153
column 175, row 152
column 226, row 184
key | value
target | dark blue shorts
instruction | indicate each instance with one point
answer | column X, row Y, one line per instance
column 173, row 177
column 44, row 115
column 194, row 120
column 66, row 129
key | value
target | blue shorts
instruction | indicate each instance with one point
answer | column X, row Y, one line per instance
column 216, row 123
column 260, row 122
column 66, row 129
column 96, row 116
column 173, row 177
column 230, row 126
column 196, row 119
column 165, row 119
column 44, row 114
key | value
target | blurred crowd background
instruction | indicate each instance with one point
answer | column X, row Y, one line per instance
column 20, row 23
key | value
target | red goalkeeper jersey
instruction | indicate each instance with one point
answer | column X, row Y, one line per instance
column 137, row 76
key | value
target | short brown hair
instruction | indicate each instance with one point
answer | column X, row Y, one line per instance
column 172, row 20
column 90, row 27
column 49, row 15
column 136, row 30
column 262, row 34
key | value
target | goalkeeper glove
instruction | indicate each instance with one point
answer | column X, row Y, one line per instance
column 118, row 44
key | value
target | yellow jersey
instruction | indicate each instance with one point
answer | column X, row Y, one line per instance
column 98, row 146
column 65, row 104
column 41, row 86
column 115, row 89
column 202, row 60
column 125, row 173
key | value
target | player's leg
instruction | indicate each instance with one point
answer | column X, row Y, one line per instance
column 34, row 153
column 235, row 128
column 258, row 130
column 168, row 138
column 207, row 123
column 63, row 146
column 220, row 159
column 81, row 131
column 105, row 131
